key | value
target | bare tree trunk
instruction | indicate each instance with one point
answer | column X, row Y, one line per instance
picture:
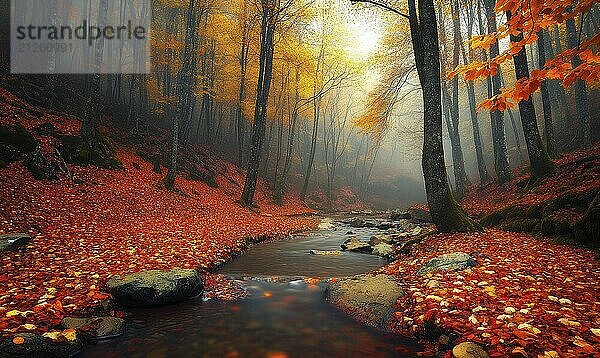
column 581, row 99
column 184, row 89
column 500, row 151
column 89, row 130
column 445, row 211
column 547, row 107
column 541, row 165
column 262, row 97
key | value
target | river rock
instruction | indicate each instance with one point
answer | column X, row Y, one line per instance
column 380, row 239
column 368, row 299
column 383, row 250
column 420, row 215
column 405, row 225
column 448, row 262
column 100, row 327
column 358, row 222
column 155, row 288
column 401, row 215
column 385, row 225
column 36, row 346
column 354, row 244
column 325, row 253
column 326, row 224
column 469, row 350
column 12, row 242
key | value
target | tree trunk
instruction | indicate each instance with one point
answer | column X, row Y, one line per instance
column 541, row 165
column 88, row 129
column 184, row 88
column 445, row 211
column 546, row 104
column 262, row 97
column 499, row 138
column 581, row 99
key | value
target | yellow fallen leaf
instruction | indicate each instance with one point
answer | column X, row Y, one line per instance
column 52, row 335
column 550, row 354
column 70, row 334
column 595, row 331
column 29, row 326
column 13, row 313
column 569, row 323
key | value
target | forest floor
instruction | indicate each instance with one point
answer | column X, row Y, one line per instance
column 100, row 222
column 529, row 295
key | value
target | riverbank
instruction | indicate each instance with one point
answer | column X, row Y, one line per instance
column 94, row 223
column 524, row 297
column 533, row 291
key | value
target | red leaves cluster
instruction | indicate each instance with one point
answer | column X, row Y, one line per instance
column 576, row 172
column 528, row 18
column 114, row 222
column 525, row 295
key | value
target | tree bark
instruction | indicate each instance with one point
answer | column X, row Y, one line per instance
column 445, row 211
column 499, row 138
column 541, row 165
column 581, row 99
column 184, row 88
column 262, row 97
column 546, row 104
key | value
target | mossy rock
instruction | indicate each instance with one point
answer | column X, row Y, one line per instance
column 520, row 225
column 37, row 346
column 368, row 299
column 205, row 175
column 103, row 155
column 155, row 288
column 508, row 213
column 14, row 142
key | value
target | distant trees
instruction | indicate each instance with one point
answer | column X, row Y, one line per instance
column 576, row 65
column 445, row 210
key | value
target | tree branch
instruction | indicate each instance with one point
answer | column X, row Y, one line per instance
column 388, row 8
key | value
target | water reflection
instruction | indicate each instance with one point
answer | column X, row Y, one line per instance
column 278, row 319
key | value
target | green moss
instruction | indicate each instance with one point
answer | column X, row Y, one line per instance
column 3, row 164
column 18, row 137
column 454, row 218
column 102, row 155
column 520, row 225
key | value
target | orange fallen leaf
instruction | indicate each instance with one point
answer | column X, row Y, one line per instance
column 18, row 340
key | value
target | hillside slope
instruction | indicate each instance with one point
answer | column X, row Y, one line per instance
column 92, row 223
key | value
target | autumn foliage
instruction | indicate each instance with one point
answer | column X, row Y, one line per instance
column 538, row 301
column 529, row 18
column 104, row 222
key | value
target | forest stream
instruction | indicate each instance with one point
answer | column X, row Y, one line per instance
column 281, row 316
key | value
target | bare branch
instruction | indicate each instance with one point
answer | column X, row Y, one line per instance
column 384, row 6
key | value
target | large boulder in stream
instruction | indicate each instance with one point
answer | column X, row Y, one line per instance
column 13, row 242
column 368, row 299
column 36, row 346
column 448, row 262
column 354, row 244
column 155, row 288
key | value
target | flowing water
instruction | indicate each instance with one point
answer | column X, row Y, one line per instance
column 281, row 316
